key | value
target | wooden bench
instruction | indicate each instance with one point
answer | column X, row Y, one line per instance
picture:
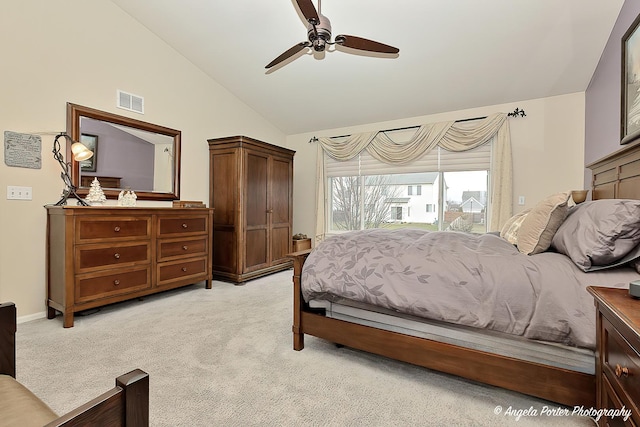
column 127, row 404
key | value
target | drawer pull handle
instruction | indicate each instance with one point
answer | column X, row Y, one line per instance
column 116, row 256
column 184, row 226
column 116, row 282
column 621, row 371
column 116, row 229
column 185, row 247
column 184, row 269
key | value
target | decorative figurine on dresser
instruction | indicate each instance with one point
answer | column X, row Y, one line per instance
column 102, row 255
column 251, row 192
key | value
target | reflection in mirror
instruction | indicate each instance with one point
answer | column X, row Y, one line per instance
column 128, row 154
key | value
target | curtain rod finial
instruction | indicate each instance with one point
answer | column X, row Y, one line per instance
column 517, row 112
column 313, row 139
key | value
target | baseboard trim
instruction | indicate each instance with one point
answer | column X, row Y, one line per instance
column 30, row 317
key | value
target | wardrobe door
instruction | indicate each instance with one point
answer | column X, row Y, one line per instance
column 256, row 210
column 280, row 199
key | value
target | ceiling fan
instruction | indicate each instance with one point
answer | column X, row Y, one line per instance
column 319, row 35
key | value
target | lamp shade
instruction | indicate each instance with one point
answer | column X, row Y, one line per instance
column 80, row 152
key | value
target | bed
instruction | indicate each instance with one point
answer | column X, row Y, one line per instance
column 551, row 363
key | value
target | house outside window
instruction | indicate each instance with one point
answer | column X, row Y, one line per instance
column 453, row 189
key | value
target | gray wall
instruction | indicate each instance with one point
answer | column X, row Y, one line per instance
column 122, row 155
column 602, row 98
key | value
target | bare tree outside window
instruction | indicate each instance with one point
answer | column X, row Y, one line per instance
column 350, row 200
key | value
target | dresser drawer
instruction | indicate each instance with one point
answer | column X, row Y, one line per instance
column 112, row 227
column 621, row 365
column 91, row 257
column 115, row 282
column 173, row 248
column 611, row 401
column 182, row 225
column 194, row 269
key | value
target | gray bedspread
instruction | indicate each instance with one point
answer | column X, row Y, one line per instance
column 480, row 281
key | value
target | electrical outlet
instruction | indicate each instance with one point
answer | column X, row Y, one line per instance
column 19, row 193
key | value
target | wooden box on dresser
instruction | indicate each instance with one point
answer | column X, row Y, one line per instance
column 102, row 255
column 251, row 192
column 617, row 354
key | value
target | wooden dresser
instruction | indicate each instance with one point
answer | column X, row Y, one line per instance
column 102, row 255
column 617, row 354
column 251, row 192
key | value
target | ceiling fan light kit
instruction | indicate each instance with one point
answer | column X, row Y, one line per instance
column 319, row 37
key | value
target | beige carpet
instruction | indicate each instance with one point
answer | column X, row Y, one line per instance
column 224, row 357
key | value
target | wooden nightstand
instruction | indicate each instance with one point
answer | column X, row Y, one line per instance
column 617, row 353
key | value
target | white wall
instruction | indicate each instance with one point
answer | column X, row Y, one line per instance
column 547, row 145
column 59, row 51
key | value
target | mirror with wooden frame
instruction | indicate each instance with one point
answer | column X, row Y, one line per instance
column 128, row 154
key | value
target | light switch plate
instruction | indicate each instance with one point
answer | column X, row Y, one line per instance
column 19, row 193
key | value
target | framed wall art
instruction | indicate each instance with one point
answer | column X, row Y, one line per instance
column 91, row 142
column 630, row 112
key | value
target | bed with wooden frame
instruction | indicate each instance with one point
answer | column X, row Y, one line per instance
column 616, row 176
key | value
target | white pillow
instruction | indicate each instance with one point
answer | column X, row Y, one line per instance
column 511, row 228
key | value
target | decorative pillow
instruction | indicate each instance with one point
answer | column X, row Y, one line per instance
column 599, row 232
column 510, row 229
column 542, row 222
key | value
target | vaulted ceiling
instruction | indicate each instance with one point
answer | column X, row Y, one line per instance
column 454, row 54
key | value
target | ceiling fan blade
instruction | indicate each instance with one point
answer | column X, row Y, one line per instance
column 309, row 11
column 289, row 53
column 359, row 43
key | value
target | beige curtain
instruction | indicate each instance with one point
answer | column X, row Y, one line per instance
column 451, row 136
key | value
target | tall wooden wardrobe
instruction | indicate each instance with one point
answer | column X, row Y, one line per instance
column 251, row 192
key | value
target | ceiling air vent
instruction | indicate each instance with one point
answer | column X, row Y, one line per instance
column 131, row 102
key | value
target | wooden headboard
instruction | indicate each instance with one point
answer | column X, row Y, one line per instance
column 617, row 176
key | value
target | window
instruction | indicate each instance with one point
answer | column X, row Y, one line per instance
column 365, row 193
